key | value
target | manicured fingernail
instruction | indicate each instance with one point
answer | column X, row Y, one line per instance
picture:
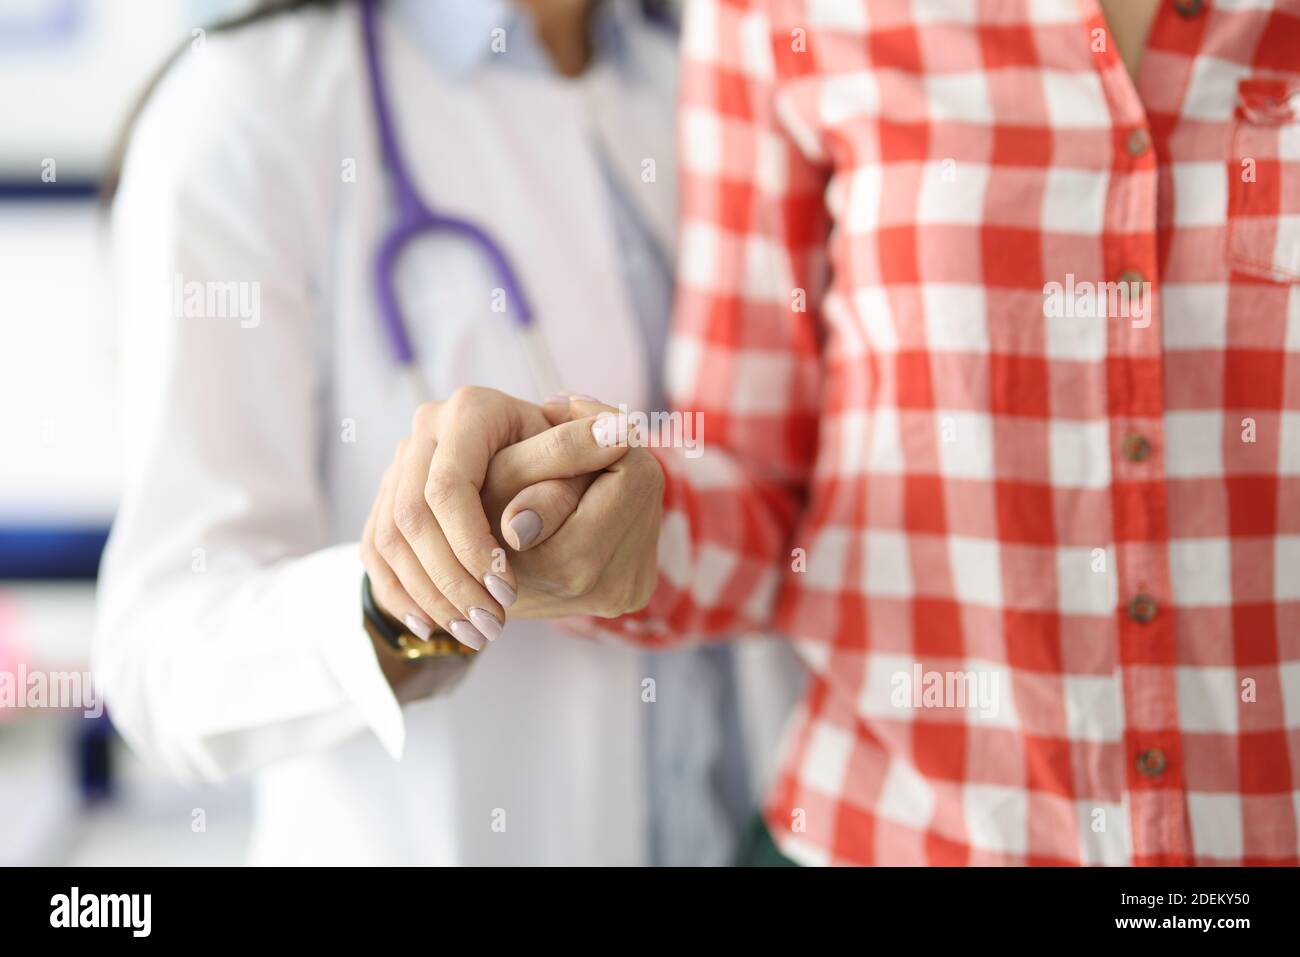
column 499, row 589
column 486, row 623
column 557, row 398
column 585, row 398
column 418, row 627
column 467, row 634
column 605, row 430
column 527, row 526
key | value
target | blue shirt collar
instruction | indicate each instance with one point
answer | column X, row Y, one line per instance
column 461, row 35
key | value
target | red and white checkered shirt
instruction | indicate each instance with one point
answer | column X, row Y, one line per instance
column 1042, row 562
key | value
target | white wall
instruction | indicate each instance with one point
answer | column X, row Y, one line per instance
column 64, row 94
column 56, row 409
column 70, row 73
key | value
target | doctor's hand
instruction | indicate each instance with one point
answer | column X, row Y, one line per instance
column 428, row 544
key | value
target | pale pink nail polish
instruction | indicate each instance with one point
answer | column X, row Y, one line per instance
column 418, row 627
column 486, row 623
column 527, row 525
column 606, row 430
column 500, row 589
column 467, row 634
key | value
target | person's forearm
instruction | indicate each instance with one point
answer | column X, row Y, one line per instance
column 723, row 551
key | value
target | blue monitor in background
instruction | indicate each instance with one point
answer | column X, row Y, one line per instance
column 50, row 553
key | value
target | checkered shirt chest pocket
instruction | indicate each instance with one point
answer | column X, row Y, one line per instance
column 1263, row 235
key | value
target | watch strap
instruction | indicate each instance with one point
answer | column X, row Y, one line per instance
column 401, row 640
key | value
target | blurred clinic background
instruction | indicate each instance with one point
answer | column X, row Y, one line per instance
column 70, row 72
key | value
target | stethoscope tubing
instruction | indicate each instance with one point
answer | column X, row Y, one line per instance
column 414, row 218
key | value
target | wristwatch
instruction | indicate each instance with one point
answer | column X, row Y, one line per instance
column 401, row 640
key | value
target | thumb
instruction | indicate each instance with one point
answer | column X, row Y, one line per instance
column 590, row 443
column 566, row 406
column 612, row 430
column 538, row 512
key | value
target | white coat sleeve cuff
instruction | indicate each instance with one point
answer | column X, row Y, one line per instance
column 349, row 653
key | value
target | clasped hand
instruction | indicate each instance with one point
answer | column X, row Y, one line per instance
column 493, row 503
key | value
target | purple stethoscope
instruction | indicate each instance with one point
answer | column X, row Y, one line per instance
column 415, row 219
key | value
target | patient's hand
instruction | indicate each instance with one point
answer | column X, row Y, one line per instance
column 429, row 544
column 596, row 552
